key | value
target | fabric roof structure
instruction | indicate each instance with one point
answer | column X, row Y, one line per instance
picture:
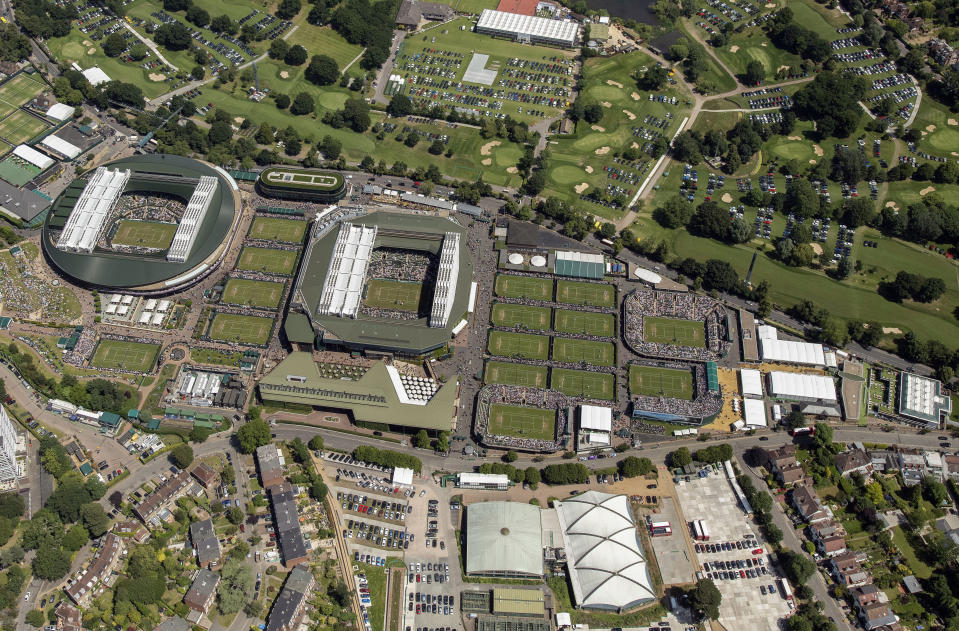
column 61, row 146
column 402, row 476
column 504, row 539
column 580, row 265
column 527, row 28
column 347, row 272
column 60, row 111
column 33, row 156
column 767, row 332
column 444, row 287
column 791, row 352
column 752, row 382
column 192, row 219
column 89, row 214
column 649, row 276
column 596, row 418
column 755, row 412
column 96, row 76
column 606, row 565
column 800, row 387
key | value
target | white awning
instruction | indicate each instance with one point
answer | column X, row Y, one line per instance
column 403, row 477
column 755, row 412
column 595, row 417
column 752, row 382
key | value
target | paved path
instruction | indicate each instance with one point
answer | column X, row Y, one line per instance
column 149, row 44
column 355, row 59
column 698, row 36
column 383, row 77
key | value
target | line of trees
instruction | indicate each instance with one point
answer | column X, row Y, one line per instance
column 387, row 458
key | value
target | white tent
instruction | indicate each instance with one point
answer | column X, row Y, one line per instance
column 402, row 477
column 60, row 112
column 33, row 156
column 595, row 417
column 649, row 276
column 800, row 387
column 791, row 352
column 96, row 76
column 755, row 412
column 752, row 382
column 61, row 146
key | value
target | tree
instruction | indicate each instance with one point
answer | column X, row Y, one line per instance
column 675, row 212
column 755, row 73
column 437, row 147
column 422, row 440
column 680, row 458
column 443, row 440
column 295, row 56
column 934, row 491
column 12, row 505
column 318, row 490
column 302, row 104
column 75, row 538
column 795, row 419
column 174, row 36
column 705, row 599
column 316, row 443
column 631, row 466
column 35, row 618
column 236, row 582
column 114, row 44
column 225, row 24
column 234, row 514
column 532, row 477
column 252, row 435
column 772, row 533
column 95, row 519
column 510, row 456
column 282, row 100
column 50, row 563
column 654, row 78
column 182, row 455
column 322, row 70
column 593, row 113
column 278, row 48
column 198, row 16
column 798, row 567
column 400, row 105
column 199, row 434
column 287, row 9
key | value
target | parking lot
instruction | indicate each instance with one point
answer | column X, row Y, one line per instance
column 672, row 554
column 742, row 574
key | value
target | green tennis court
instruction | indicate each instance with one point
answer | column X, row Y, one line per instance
column 527, row 287
column 573, row 292
column 530, row 317
column 267, row 260
column 515, row 374
column 654, row 381
column 522, row 422
column 586, row 322
column 230, row 327
column 580, row 383
column 276, row 229
column 674, row 331
column 506, row 344
column 254, row 293
column 595, row 353
column 123, row 355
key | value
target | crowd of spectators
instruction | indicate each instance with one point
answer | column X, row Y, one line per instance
column 526, row 397
column 25, row 294
column 404, row 265
column 643, row 303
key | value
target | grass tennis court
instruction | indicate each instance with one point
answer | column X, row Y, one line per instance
column 579, row 383
column 122, row 355
column 18, row 91
column 524, row 287
column 506, row 344
column 230, row 327
column 145, row 234
column 254, row 293
column 674, row 331
column 595, row 353
column 587, row 322
column 17, row 171
column 513, row 420
column 267, row 260
column 573, row 292
column 20, row 126
column 276, row 229
column 509, row 315
column 393, row 294
column 515, row 374
column 654, row 381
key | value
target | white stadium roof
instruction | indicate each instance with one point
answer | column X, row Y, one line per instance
column 752, row 382
column 527, row 26
column 347, row 272
column 755, row 412
column 792, row 352
column 596, row 418
column 60, row 111
column 791, row 385
column 606, row 565
column 649, row 276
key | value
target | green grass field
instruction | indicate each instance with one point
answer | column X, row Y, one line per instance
column 267, row 260
column 17, row 171
column 146, row 234
column 229, row 327
column 526, row 287
column 393, row 294
column 580, row 383
column 666, row 382
column 122, row 355
column 20, row 126
column 573, row 292
column 595, row 353
column 674, row 331
column 587, row 322
column 510, row 315
column 522, row 422
column 253, row 293
column 506, row 344
column 276, row 229
column 17, row 91
column 214, row 356
column 515, row 374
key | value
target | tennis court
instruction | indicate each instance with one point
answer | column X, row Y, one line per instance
column 267, row 260
column 586, row 322
column 17, row 171
column 17, row 91
column 580, row 383
column 506, row 344
column 515, row 374
column 393, row 294
column 674, row 331
column 522, row 422
column 654, row 381
column 276, row 229
column 253, row 293
column 595, row 353
column 572, row 292
column 122, row 355
column 21, row 126
column 510, row 315
column 229, row 327
column 524, row 287
column 145, row 234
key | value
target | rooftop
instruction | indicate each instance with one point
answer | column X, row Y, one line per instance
column 503, row 538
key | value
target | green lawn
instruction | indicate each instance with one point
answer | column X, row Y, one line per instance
column 901, row 541
column 230, row 327
column 530, row 317
column 587, row 322
column 654, row 381
column 253, row 293
column 522, row 422
column 276, row 229
column 20, row 126
column 376, row 576
column 674, row 331
column 393, row 294
column 594, row 353
column 123, row 355
column 524, row 287
column 506, row 344
column 214, row 356
column 581, row 383
column 326, row 41
column 515, row 374
column 147, row 234
column 267, row 260
column 573, row 292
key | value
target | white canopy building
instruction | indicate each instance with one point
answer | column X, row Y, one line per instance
column 595, row 426
column 772, row 349
column 605, row 560
column 33, row 156
column 800, row 387
column 402, row 477
column 755, row 412
column 528, row 29
column 343, row 287
column 61, row 146
column 752, row 382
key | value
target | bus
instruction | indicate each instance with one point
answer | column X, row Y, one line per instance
column 786, row 592
column 697, row 533
column 704, row 530
column 800, row 431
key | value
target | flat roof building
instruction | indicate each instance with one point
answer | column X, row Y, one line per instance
column 504, row 539
column 517, row 601
column 487, row 481
column 528, row 29
column 922, row 399
column 802, row 387
column 752, row 382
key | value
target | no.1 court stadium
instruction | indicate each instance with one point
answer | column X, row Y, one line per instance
column 522, row 422
column 124, row 355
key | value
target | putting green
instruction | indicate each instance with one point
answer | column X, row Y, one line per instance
column 760, row 55
column 567, row 174
column 332, row 100
column 592, row 141
column 607, row 93
column 506, row 155
column 944, row 139
column 73, row 50
column 792, row 150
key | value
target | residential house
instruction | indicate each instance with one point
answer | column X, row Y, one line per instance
column 290, row 603
column 951, row 465
column 270, row 462
column 935, row 467
column 205, row 475
column 809, row 506
column 911, row 584
column 870, row 608
column 205, row 543
column 942, row 52
column 949, row 526
column 155, row 508
column 884, row 460
column 411, row 12
column 202, row 592
column 853, row 461
column 829, row 537
column 781, row 462
column 912, row 465
column 99, row 572
column 831, row 546
column 69, row 618
column 286, row 523
column 132, row 528
column 846, row 569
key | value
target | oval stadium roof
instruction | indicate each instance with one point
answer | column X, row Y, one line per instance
column 647, row 275
column 605, row 559
column 504, row 539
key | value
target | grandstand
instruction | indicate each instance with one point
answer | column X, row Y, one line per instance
column 682, row 325
column 90, row 214
column 673, row 392
column 343, row 288
column 520, row 418
column 193, row 217
column 445, row 290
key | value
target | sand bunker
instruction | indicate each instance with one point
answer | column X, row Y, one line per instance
column 926, row 191
column 512, row 170
column 770, row 5
column 579, row 188
column 930, row 128
column 87, row 42
column 892, row 205
column 602, row 151
column 734, row 49
column 793, row 137
column 598, row 128
column 485, row 149
column 781, row 68
column 606, row 104
column 763, row 44
column 635, row 145
column 238, row 120
column 487, row 161
column 636, row 96
column 284, row 74
column 727, row 198
column 589, row 169
column 616, row 83
column 891, row 330
column 156, row 76
column 812, row 162
column 630, row 115
column 952, row 121
column 817, row 150
column 91, row 51
column 954, row 153
column 816, row 248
